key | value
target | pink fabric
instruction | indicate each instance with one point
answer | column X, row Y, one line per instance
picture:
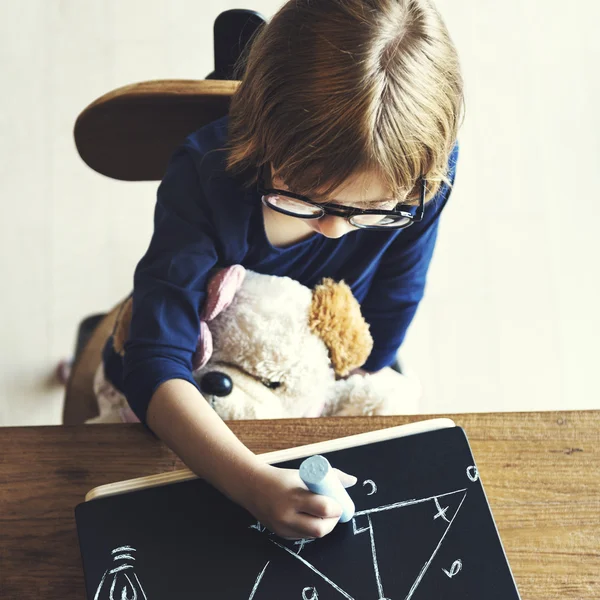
column 204, row 349
column 220, row 292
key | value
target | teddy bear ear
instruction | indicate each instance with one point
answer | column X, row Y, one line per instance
column 221, row 290
column 204, row 349
column 335, row 317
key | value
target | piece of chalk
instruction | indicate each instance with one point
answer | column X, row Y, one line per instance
column 320, row 478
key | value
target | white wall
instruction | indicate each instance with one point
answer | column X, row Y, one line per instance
column 510, row 321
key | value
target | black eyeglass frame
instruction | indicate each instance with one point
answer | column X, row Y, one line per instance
column 337, row 210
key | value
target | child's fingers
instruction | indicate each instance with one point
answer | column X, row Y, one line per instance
column 311, row 527
column 320, row 506
column 347, row 480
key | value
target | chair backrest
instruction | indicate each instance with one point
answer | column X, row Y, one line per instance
column 232, row 31
column 131, row 132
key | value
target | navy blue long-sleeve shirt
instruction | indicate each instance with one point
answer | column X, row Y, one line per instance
column 204, row 219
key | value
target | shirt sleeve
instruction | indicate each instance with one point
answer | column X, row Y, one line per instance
column 399, row 282
column 169, row 286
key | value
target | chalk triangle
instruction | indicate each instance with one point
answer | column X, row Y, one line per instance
column 409, row 537
column 381, row 542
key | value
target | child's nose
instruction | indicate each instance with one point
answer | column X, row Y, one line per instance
column 334, row 227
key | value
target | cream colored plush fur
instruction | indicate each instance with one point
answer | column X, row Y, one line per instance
column 266, row 341
column 265, row 337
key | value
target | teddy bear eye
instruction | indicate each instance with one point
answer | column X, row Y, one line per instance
column 273, row 385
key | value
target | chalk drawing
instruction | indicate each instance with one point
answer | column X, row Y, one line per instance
column 373, row 486
column 454, row 569
column 378, row 593
column 472, row 473
column 260, row 576
column 124, row 584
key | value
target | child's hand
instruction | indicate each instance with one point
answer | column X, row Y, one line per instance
column 281, row 502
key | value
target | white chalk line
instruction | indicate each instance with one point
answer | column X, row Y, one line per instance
column 124, row 594
column 372, row 484
column 303, row 543
column 123, row 549
column 475, row 476
column 111, row 595
column 112, row 589
column 100, row 586
column 404, row 503
column 375, row 564
column 314, row 594
column 123, row 557
column 454, row 569
column 357, row 531
column 258, row 581
column 331, row 583
column 442, row 511
column 121, row 568
column 141, row 588
column 426, row 565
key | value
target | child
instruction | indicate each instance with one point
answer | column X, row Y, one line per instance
column 336, row 160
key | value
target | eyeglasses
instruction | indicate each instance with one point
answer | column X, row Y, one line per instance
column 296, row 205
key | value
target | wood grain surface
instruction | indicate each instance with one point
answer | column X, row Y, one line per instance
column 541, row 473
column 131, row 132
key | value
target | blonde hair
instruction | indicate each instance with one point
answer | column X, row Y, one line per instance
column 335, row 88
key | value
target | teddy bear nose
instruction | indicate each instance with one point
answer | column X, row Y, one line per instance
column 216, row 383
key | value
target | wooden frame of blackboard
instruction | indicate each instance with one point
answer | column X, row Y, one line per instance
column 361, row 439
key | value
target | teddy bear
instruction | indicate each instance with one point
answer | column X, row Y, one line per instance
column 270, row 347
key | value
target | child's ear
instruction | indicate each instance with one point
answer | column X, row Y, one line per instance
column 335, row 317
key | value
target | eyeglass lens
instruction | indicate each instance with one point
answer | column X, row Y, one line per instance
column 299, row 208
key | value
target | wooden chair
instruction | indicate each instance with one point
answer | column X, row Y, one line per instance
column 130, row 134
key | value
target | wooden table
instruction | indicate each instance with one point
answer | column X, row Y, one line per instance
column 541, row 472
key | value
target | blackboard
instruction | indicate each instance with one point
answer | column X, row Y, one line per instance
column 423, row 530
